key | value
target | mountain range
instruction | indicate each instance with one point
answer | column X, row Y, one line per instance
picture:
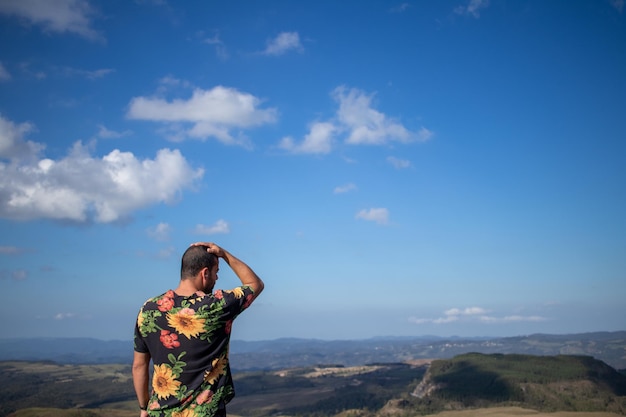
column 609, row 347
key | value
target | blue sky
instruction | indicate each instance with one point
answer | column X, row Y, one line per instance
column 421, row 168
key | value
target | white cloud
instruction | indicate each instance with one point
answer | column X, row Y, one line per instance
column 26, row 68
column 170, row 82
column 399, row 163
column 509, row 319
column 344, row 188
column 9, row 250
column 220, row 226
column 367, row 125
column 160, row 232
column 80, row 187
column 361, row 124
column 283, row 43
column 400, row 8
column 15, row 275
column 378, row 215
column 89, row 74
column 215, row 40
column 469, row 311
column 474, row 314
column 4, row 74
column 211, row 113
column 446, row 319
column 472, row 8
column 166, row 253
column 317, row 141
column 64, row 316
column 72, row 16
column 12, row 142
column 19, row 274
column 220, row 48
column 105, row 133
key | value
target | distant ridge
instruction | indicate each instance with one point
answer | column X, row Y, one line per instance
column 67, row 350
column 609, row 347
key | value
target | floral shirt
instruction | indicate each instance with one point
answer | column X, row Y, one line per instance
column 187, row 339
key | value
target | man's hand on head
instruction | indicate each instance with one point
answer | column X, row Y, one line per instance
column 211, row 248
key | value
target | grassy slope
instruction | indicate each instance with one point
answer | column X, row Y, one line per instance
column 481, row 412
column 547, row 383
column 56, row 412
column 44, row 384
column 520, row 412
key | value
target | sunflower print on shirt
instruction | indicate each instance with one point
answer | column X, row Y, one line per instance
column 187, row 339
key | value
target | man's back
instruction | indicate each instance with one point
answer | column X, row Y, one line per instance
column 187, row 338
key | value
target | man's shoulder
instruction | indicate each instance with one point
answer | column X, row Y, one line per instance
column 166, row 294
column 241, row 294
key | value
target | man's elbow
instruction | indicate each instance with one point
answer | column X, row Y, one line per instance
column 141, row 362
column 139, row 368
column 258, row 288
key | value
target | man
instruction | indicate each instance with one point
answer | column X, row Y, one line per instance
column 186, row 334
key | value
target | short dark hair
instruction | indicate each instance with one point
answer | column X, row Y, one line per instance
column 194, row 259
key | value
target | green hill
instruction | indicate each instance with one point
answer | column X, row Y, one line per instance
column 545, row 383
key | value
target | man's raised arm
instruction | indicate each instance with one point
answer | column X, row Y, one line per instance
column 245, row 274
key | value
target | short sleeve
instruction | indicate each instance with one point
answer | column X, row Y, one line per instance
column 138, row 341
column 236, row 300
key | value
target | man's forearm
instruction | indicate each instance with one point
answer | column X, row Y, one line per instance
column 141, row 378
column 245, row 274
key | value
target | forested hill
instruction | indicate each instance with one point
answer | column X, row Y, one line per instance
column 546, row 383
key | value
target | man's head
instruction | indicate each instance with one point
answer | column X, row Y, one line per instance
column 199, row 264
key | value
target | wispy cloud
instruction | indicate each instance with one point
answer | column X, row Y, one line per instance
column 513, row 318
column 218, row 44
column 283, row 43
column 472, row 8
column 170, row 82
column 10, row 250
column 400, row 8
column 160, row 232
column 4, row 74
column 88, row 74
column 618, row 5
column 60, row 16
column 378, row 215
column 468, row 311
column 399, row 163
column 105, row 133
column 219, row 227
column 214, row 40
column 15, row 275
column 166, row 253
column 344, row 188
column 474, row 314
